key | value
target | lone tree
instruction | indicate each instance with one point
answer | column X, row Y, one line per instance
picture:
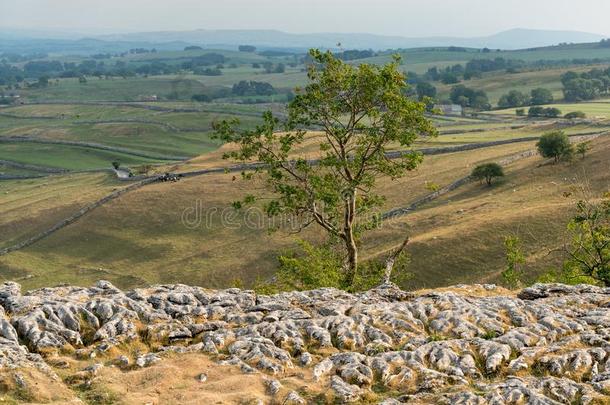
column 555, row 145
column 487, row 172
column 361, row 110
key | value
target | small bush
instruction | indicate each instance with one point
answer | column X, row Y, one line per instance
column 575, row 115
column 322, row 266
column 582, row 149
column 513, row 274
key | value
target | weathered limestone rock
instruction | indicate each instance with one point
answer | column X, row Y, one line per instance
column 548, row 345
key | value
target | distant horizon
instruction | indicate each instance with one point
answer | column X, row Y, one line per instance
column 100, row 32
column 399, row 18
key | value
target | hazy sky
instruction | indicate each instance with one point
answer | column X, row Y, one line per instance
column 392, row 17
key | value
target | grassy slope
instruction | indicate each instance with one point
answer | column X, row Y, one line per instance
column 140, row 238
column 497, row 84
column 434, row 56
column 66, row 157
column 32, row 206
column 459, row 238
column 72, row 123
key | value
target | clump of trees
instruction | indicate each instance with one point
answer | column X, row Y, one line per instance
column 473, row 69
column 516, row 98
column 513, row 99
column 253, row 88
column 586, row 86
column 555, row 145
column 362, row 110
column 354, row 54
column 467, row 97
column 98, row 67
column 549, row 112
column 540, row 96
column 246, row 48
column 208, row 72
column 487, row 172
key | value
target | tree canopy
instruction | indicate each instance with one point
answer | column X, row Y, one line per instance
column 361, row 111
column 554, row 145
column 487, row 172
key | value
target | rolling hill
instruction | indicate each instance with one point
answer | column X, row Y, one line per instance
column 41, row 41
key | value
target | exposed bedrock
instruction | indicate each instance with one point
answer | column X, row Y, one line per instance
column 549, row 344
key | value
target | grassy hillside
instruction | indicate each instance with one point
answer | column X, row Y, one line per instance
column 139, row 135
column 498, row 84
column 32, row 206
column 443, row 55
column 141, row 238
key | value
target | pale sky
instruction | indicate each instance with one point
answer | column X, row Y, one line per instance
column 410, row 18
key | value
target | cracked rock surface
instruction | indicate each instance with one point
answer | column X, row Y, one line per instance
column 548, row 344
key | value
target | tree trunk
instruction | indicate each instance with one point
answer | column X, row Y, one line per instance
column 389, row 264
column 352, row 260
column 350, row 240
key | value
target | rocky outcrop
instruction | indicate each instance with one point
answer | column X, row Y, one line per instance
column 550, row 344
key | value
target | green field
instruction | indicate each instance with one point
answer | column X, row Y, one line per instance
column 435, row 56
column 66, row 157
column 593, row 109
column 155, row 134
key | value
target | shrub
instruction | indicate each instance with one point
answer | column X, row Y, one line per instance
column 487, row 172
column 520, row 112
column 575, row 114
column 535, row 112
column 202, row 98
column 513, row 99
column 515, row 258
column 582, row 149
column 538, row 111
column 590, row 252
column 555, row 145
column 552, row 112
column 323, row 266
